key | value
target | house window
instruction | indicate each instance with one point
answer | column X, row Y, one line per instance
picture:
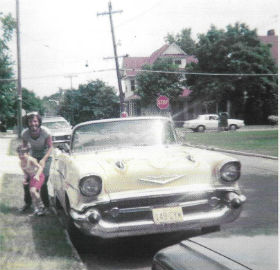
column 178, row 62
column 132, row 83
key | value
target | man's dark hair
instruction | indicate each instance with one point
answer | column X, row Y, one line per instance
column 32, row 115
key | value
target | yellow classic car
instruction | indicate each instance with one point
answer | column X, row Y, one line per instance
column 130, row 176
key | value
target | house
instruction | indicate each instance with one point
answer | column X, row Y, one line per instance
column 181, row 110
column 132, row 65
column 271, row 39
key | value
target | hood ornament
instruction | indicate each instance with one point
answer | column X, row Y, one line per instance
column 190, row 158
column 162, row 179
column 120, row 165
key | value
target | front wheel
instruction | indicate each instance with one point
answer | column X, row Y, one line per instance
column 200, row 128
column 233, row 127
column 69, row 224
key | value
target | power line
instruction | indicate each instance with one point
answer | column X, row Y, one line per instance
column 57, row 75
column 201, row 73
column 151, row 71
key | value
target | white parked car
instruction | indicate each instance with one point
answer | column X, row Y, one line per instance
column 59, row 127
column 210, row 121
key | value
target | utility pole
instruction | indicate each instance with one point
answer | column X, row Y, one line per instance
column 110, row 12
column 19, row 90
column 71, row 79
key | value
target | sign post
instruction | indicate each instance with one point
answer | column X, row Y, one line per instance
column 162, row 102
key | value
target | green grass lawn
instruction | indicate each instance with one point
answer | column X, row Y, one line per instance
column 28, row 242
column 260, row 142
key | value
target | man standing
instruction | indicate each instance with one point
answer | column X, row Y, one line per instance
column 40, row 140
column 223, row 121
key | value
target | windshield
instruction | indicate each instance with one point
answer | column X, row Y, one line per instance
column 56, row 125
column 123, row 133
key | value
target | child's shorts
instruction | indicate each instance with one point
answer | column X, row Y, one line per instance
column 37, row 184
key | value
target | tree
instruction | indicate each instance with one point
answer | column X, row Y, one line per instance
column 183, row 40
column 30, row 102
column 90, row 101
column 152, row 84
column 236, row 50
column 51, row 103
column 7, row 86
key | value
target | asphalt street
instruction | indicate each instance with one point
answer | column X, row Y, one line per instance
column 252, row 239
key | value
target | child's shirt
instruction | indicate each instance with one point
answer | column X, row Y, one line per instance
column 30, row 168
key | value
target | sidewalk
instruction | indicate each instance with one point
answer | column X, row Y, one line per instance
column 8, row 164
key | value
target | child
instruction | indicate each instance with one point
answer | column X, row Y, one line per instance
column 33, row 173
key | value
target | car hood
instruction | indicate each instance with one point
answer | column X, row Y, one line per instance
column 60, row 132
column 147, row 167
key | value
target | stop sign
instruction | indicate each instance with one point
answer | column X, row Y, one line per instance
column 163, row 102
column 124, row 114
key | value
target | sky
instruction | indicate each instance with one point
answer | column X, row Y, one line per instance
column 61, row 39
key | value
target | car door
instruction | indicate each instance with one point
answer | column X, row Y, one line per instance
column 213, row 122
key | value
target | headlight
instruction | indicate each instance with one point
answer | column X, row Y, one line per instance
column 90, row 185
column 230, row 172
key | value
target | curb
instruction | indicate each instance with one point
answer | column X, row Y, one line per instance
column 74, row 250
column 210, row 148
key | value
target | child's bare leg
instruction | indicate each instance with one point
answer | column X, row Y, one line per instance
column 36, row 199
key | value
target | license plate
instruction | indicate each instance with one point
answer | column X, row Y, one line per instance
column 167, row 215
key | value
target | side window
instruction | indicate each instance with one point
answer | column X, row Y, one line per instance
column 132, row 82
column 178, row 62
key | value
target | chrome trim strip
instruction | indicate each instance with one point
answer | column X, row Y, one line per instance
column 194, row 203
column 150, row 194
column 160, row 179
column 161, row 192
column 107, row 229
column 71, row 186
column 149, row 208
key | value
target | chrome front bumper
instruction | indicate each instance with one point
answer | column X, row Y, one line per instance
column 121, row 218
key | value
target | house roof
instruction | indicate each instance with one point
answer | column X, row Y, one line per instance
column 134, row 63
column 156, row 54
column 273, row 40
